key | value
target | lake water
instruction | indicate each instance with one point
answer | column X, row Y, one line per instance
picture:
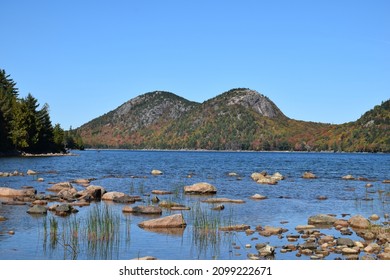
column 292, row 200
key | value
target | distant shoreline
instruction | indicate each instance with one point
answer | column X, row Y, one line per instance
column 221, row 151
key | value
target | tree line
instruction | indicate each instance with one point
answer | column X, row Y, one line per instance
column 25, row 127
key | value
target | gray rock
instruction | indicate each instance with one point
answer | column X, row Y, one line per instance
column 308, row 245
column 125, row 199
column 321, row 219
column 345, row 242
column 37, row 210
column 148, row 210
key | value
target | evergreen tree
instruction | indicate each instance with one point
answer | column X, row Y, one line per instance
column 8, row 96
column 59, row 138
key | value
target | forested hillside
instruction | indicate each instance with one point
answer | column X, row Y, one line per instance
column 25, row 127
column 239, row 119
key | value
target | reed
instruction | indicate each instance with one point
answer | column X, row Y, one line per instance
column 102, row 231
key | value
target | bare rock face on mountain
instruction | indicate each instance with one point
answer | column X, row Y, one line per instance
column 149, row 108
column 256, row 101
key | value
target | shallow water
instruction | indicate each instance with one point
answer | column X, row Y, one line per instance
column 292, row 200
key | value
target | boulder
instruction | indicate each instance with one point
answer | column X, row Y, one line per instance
column 146, row 210
column 269, row 230
column 200, row 188
column 126, row 199
column 309, row 175
column 384, row 256
column 348, row 177
column 349, row 251
column 82, row 182
column 341, row 223
column 92, row 193
column 64, row 210
column 258, row 197
column 173, row 221
column 223, row 200
column 235, row 228
column 345, row 242
column 161, row 192
column 372, row 248
column 112, row 195
column 277, row 176
column 37, row 210
column 67, row 193
column 265, row 249
column 31, row 172
column 156, row 172
column 9, row 192
column 169, row 204
column 359, row 222
column 60, row 186
column 322, row 219
column 262, row 178
column 304, row 227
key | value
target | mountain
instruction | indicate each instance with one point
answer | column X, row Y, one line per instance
column 239, row 119
column 132, row 122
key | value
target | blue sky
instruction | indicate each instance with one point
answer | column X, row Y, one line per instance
column 324, row 61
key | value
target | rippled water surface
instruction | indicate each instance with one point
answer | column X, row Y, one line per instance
column 292, row 200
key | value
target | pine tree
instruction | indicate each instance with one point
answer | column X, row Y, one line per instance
column 8, row 96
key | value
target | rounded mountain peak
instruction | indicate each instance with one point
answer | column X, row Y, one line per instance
column 253, row 100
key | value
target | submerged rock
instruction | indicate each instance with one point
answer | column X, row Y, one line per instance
column 235, row 228
column 161, row 192
column 269, row 230
column 322, row 219
column 37, row 210
column 126, row 199
column 309, row 175
column 147, row 210
column 223, row 200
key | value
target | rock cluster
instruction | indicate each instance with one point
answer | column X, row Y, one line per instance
column 264, row 178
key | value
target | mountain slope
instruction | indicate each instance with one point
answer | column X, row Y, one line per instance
column 132, row 121
column 239, row 119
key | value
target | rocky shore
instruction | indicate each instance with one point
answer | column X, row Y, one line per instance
column 353, row 237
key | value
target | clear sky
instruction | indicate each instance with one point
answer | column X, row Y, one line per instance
column 324, row 61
